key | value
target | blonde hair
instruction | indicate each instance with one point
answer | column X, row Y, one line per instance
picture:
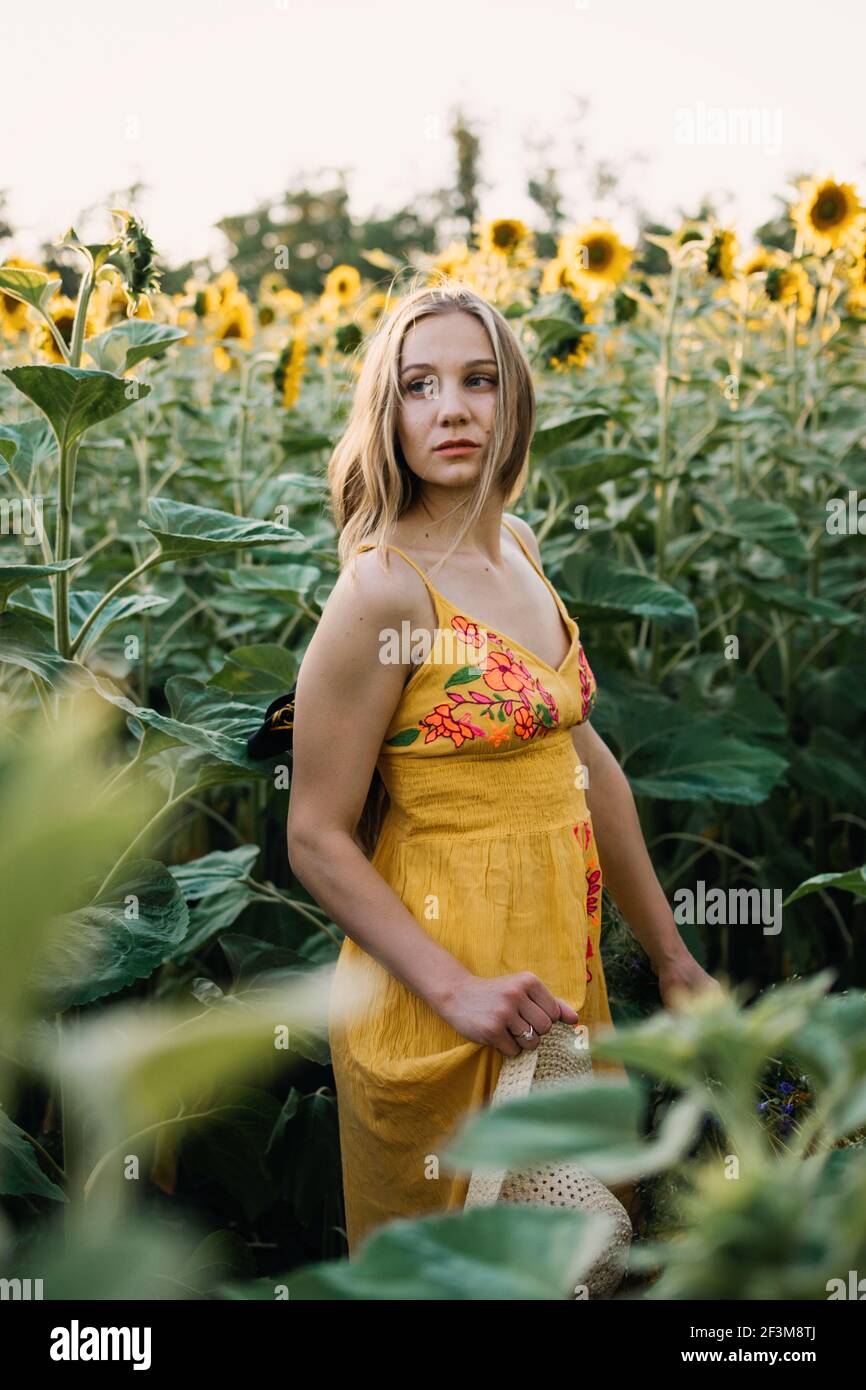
column 370, row 482
column 371, row 485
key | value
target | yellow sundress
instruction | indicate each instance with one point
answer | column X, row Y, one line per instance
column 488, row 841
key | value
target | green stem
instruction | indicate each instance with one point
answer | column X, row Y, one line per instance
column 661, row 488
column 160, row 815
column 84, row 293
column 126, row 1144
column 154, row 558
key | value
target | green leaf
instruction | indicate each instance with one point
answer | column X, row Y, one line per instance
column 463, row 676
column 183, row 530
column 118, row 938
column 404, row 737
column 74, row 399
column 14, row 577
column 216, row 912
column 851, row 880
column 261, row 669
column 31, row 286
column 20, row 1174
column 137, row 1066
column 32, row 443
column 594, row 1123
column 206, row 875
column 222, row 1254
column 828, row 766
column 130, row 342
column 519, row 1252
column 701, row 761
column 229, row 1150
column 748, row 519
column 39, row 603
column 818, row 609
column 203, row 718
column 565, row 425
column 288, row 582
column 555, row 319
column 23, row 644
column 583, row 470
column 601, row 588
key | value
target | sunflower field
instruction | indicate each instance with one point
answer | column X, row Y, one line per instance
column 698, row 489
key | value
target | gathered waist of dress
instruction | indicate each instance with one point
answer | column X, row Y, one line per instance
column 485, row 795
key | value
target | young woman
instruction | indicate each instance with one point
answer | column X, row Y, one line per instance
column 495, row 809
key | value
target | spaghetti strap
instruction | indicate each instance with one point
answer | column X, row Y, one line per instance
column 431, row 589
column 538, row 570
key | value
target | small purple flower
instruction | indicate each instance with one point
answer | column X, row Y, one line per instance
column 763, row 1104
column 785, row 1086
column 787, row 1108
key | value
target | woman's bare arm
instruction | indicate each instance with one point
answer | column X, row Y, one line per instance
column 346, row 696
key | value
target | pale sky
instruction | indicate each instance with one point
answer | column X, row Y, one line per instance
column 217, row 104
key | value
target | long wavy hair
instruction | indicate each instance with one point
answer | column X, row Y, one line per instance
column 370, row 482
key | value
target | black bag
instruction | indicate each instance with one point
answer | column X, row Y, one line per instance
column 275, row 733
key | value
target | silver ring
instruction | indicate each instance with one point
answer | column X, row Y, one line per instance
column 530, row 1033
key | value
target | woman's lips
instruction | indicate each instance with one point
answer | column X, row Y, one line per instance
column 457, row 449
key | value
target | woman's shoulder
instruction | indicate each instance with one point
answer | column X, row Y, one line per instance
column 525, row 531
column 379, row 592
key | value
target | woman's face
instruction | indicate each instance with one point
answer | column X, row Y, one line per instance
column 448, row 390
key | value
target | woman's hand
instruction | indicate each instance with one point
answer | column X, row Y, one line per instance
column 680, row 977
column 499, row 1009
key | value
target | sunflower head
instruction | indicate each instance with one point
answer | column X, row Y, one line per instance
column 828, row 215
column 596, row 257
column 290, row 369
column 572, row 353
column 721, row 254
column 787, row 283
column 504, row 236
column 342, row 285
column 136, row 258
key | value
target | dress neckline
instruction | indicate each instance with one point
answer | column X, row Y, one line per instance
column 496, row 632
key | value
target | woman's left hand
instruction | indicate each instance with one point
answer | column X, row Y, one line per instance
column 683, row 976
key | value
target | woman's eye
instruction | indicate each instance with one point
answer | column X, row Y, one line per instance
column 429, row 385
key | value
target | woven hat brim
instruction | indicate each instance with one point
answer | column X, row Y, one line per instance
column 515, row 1081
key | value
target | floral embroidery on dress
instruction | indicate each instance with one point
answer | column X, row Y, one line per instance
column 512, row 693
column 592, row 869
column 588, row 687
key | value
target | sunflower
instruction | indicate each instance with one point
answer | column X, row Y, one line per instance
column 237, row 322
column 342, row 285
column 507, row 237
column 13, row 312
column 203, row 297
column 829, row 215
column 787, row 283
column 721, row 254
column 856, row 298
column 572, row 353
column 137, row 257
column 596, row 256
column 290, row 369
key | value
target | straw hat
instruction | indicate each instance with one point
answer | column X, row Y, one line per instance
column 558, row 1060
